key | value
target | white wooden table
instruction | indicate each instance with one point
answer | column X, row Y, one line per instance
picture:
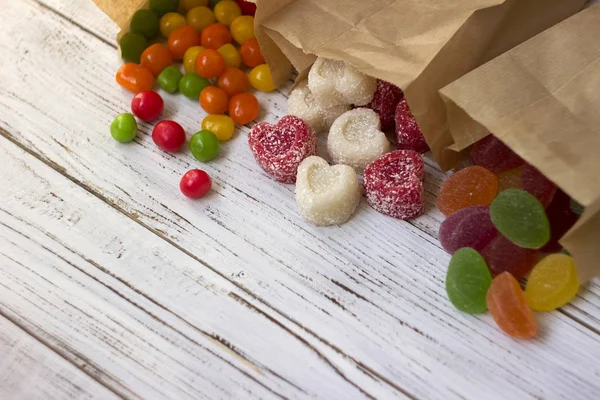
column 113, row 285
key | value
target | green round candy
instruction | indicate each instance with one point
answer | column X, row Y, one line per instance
column 164, row 6
column 124, row 128
column 132, row 47
column 576, row 207
column 521, row 218
column 192, row 84
column 146, row 23
column 204, row 145
column 468, row 280
column 169, row 78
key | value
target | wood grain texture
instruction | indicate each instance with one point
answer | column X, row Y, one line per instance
column 367, row 297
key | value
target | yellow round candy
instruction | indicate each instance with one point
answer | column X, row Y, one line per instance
column 260, row 78
column 231, row 55
column 187, row 5
column 189, row 58
column 552, row 283
column 221, row 125
column 226, row 11
column 171, row 21
column 242, row 28
column 200, row 17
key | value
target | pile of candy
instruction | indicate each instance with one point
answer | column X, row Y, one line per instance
column 504, row 217
column 201, row 36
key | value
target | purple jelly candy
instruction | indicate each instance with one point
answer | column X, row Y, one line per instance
column 501, row 255
column 534, row 182
column 494, row 155
column 561, row 218
column 469, row 227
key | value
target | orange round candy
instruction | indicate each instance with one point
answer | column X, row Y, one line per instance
column 209, row 64
column 182, row 39
column 156, row 58
column 215, row 36
column 251, row 54
column 214, row 100
column 233, row 81
column 135, row 78
column 472, row 186
column 243, row 108
column 506, row 302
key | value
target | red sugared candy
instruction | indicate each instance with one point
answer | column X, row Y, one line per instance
column 501, row 255
column 279, row 149
column 561, row 218
column 534, row 182
column 494, row 155
column 168, row 135
column 147, row 105
column 408, row 133
column 394, row 184
column 469, row 227
column 384, row 103
column 195, row 183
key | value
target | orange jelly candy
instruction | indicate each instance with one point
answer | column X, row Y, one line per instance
column 135, row 78
column 506, row 302
column 472, row 186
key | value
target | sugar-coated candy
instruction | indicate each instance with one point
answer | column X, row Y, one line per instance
column 469, row 227
column 521, row 218
column 507, row 304
column 502, row 255
column 510, row 179
column 394, row 184
column 472, row 186
column 355, row 138
column 408, row 133
column 302, row 103
column 280, row 148
column 326, row 195
column 534, row 182
column 576, row 207
column 335, row 83
column 386, row 98
column 552, row 283
column 561, row 218
column 494, row 155
column 467, row 281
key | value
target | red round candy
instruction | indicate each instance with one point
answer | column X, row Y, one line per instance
column 502, row 255
column 384, row 103
column 408, row 133
column 534, row 182
column 469, row 227
column 195, row 183
column 494, row 155
column 147, row 106
column 168, row 135
column 247, row 7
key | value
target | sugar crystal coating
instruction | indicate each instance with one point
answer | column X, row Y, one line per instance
column 552, row 283
column 355, row 138
column 326, row 195
column 384, row 103
column 472, row 186
column 494, row 155
column 467, row 281
column 303, row 104
column 534, row 182
column 502, row 255
column 408, row 133
column 469, row 227
column 280, row 148
column 338, row 83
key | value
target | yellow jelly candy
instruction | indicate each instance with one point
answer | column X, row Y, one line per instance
column 231, row 55
column 221, row 125
column 552, row 283
column 189, row 58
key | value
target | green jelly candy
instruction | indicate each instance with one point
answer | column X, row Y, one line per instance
column 468, row 280
column 169, row 78
column 164, row 6
column 124, row 128
column 204, row 145
column 521, row 218
column 132, row 47
column 576, row 207
column 145, row 22
column 192, row 84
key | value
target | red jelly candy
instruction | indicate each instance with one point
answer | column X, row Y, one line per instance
column 494, row 155
column 408, row 133
column 561, row 218
column 502, row 255
column 534, row 182
column 280, row 148
column 469, row 227
column 394, row 184
column 384, row 103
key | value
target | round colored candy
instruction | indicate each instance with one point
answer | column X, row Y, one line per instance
column 521, row 218
column 209, row 64
column 168, row 135
column 200, row 17
column 145, row 22
column 182, row 39
column 124, row 128
column 502, row 255
column 231, row 55
column 467, row 281
column 472, row 186
column 221, row 125
column 132, row 46
column 169, row 78
column 226, row 11
column 204, row 145
column 242, row 28
column 195, row 183
column 251, row 54
column 408, row 133
column 534, row 182
column 243, row 108
column 508, row 306
column 552, row 283
column 156, row 58
column 494, row 155
column 469, row 227
column 135, row 78
column 187, row 5
column 164, row 6
column 261, row 79
column 170, row 22
column 214, row 100
column 191, row 85
column 147, row 106
column 233, row 81
column 215, row 36
column 189, row 58
column 384, row 103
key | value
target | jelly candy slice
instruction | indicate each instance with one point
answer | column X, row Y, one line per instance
column 472, row 186
column 279, row 149
column 534, row 182
column 467, row 281
column 494, row 155
column 552, row 283
column 521, row 218
column 510, row 179
column 502, row 255
column 386, row 98
column 394, row 184
column 408, row 133
column 561, row 219
column 469, row 227
column 507, row 304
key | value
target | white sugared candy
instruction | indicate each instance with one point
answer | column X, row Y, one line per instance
column 326, row 195
column 303, row 104
column 335, row 83
column 355, row 138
